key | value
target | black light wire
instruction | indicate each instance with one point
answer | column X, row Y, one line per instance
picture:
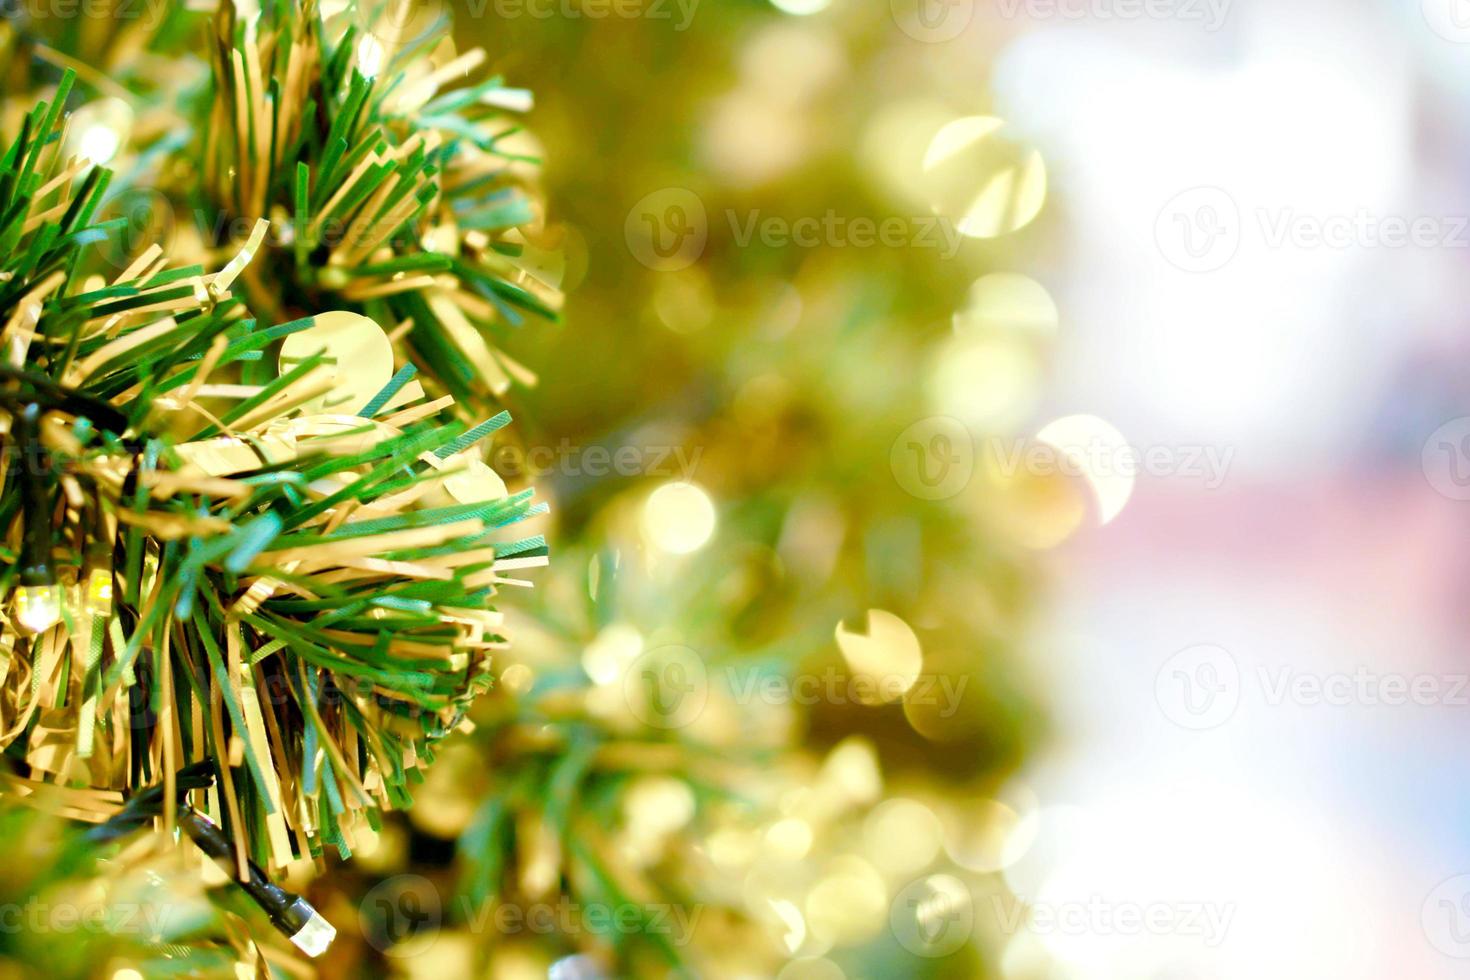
column 35, row 556
column 291, row 914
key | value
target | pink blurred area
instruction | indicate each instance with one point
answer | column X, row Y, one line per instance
column 1328, row 551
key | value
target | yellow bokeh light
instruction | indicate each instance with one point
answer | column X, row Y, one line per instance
column 801, row 8
column 1008, row 303
column 888, row 657
column 991, row 382
column 901, row 836
column 447, row 793
column 679, row 518
column 851, row 771
column 683, row 301
column 1038, row 510
column 431, row 955
column 976, row 835
column 790, row 63
column 893, row 145
column 748, row 140
column 983, row 180
column 849, row 905
column 99, row 129
column 517, row 678
column 512, row 961
column 1043, row 841
column 1025, row 958
column 793, row 926
column 610, row 653
column 658, row 805
column 789, row 839
column 1100, row 455
column 733, row 847
column 811, row 968
column 382, row 851
column 939, row 710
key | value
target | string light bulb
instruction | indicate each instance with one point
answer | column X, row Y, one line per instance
column 38, row 607
column 100, row 129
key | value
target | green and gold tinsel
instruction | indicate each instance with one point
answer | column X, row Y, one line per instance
column 267, row 544
column 395, row 181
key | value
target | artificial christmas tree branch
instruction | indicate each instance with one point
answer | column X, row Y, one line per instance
column 269, row 550
column 393, row 194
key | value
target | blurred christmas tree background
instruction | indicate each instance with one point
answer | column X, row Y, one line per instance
column 726, row 428
column 761, row 710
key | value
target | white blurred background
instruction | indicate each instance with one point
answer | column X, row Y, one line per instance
column 1260, row 683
